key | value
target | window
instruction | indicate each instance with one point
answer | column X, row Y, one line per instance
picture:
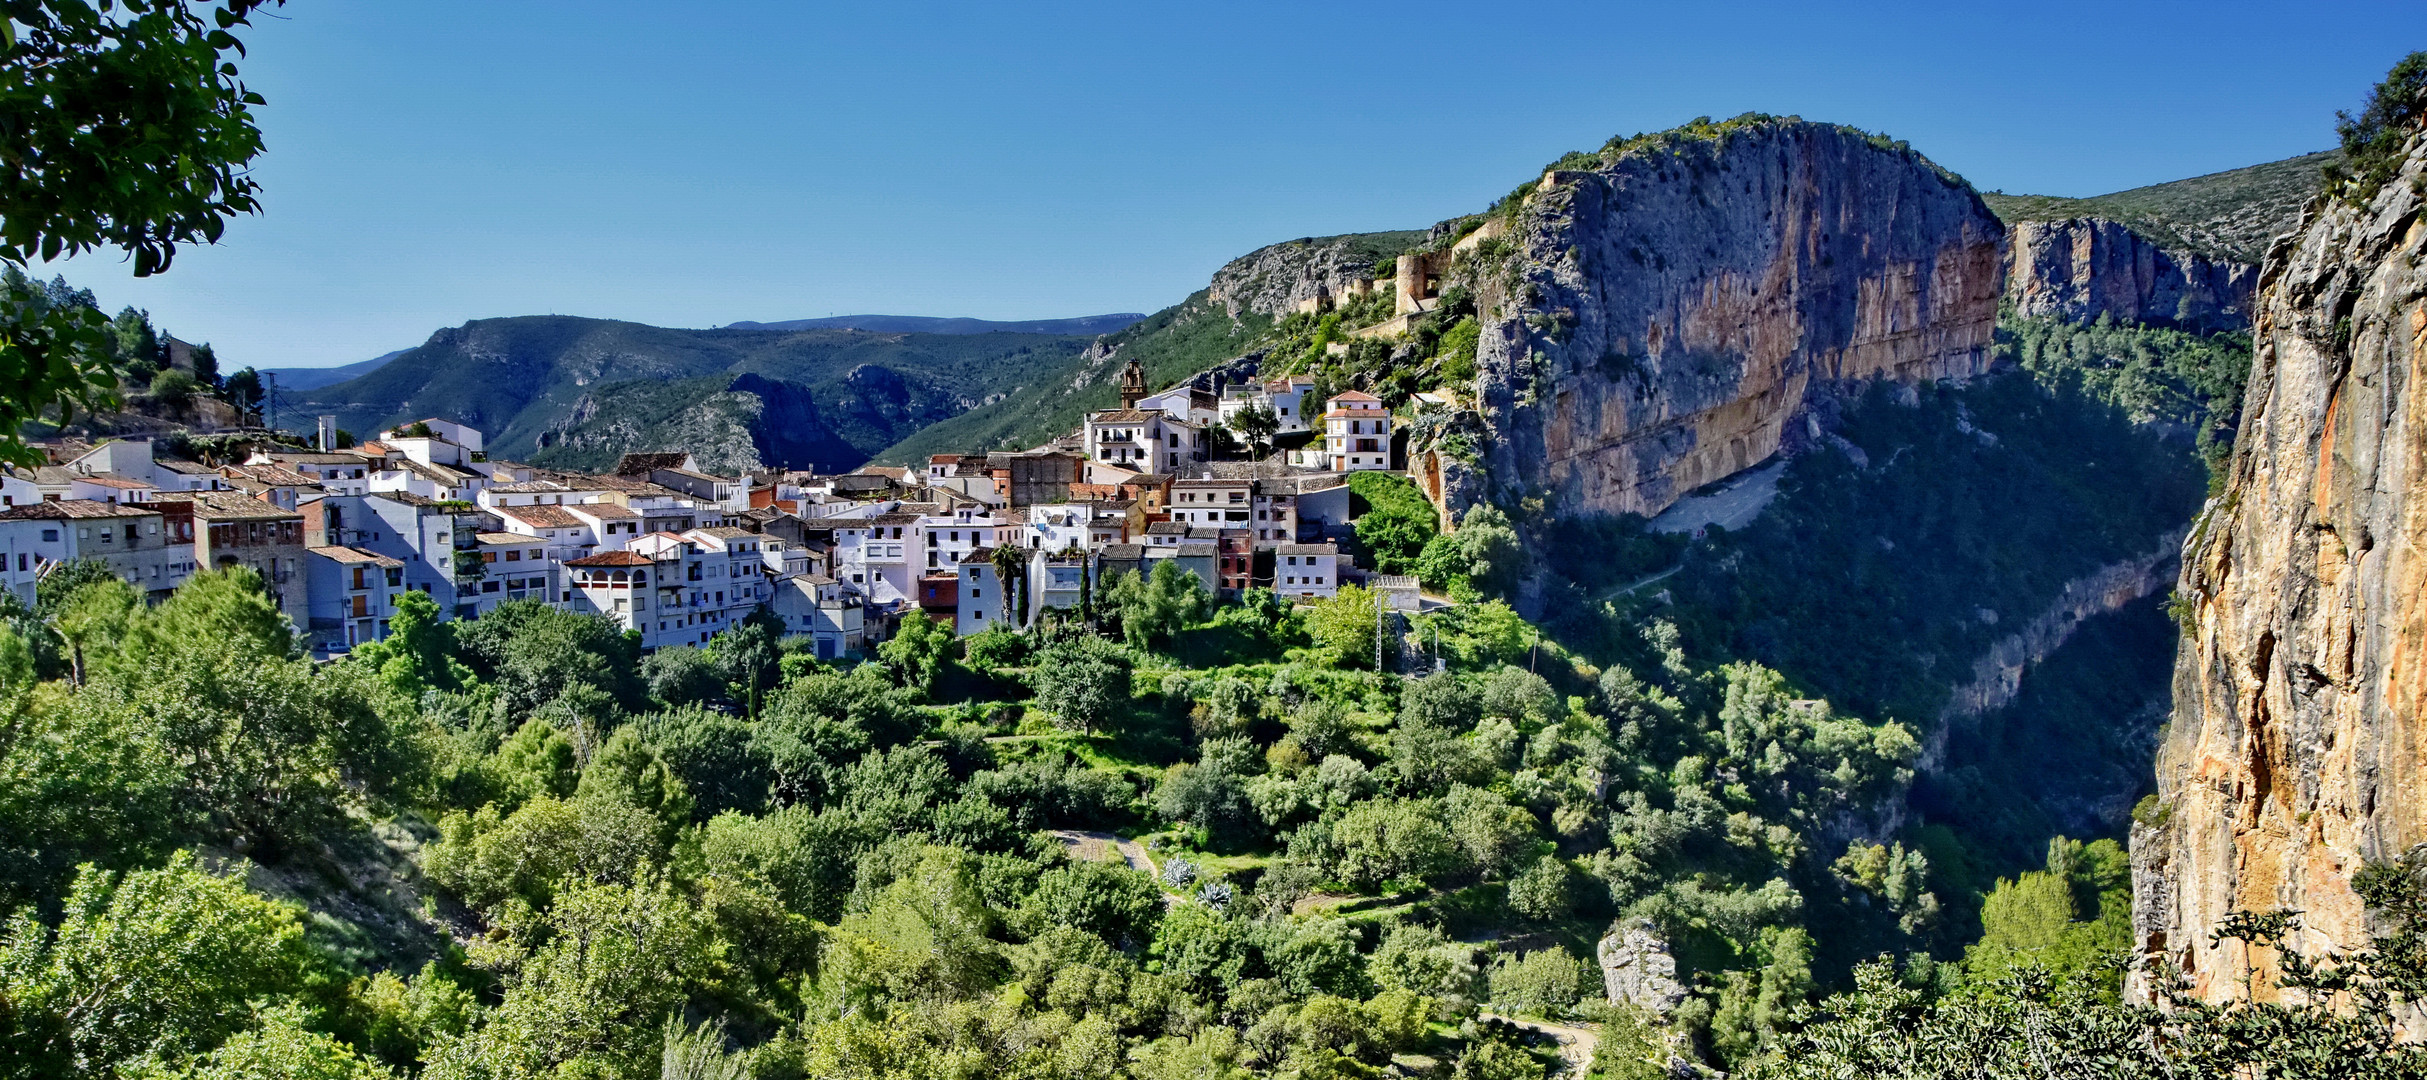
column 50, row 536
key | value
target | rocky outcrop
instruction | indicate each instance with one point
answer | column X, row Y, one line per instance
column 1274, row 280
column 1670, row 317
column 1637, row 970
column 1997, row 674
column 2298, row 748
column 2084, row 268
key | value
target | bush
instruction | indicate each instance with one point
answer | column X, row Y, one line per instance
column 1545, row 982
column 2377, row 141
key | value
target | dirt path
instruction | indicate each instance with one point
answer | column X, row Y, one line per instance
column 1086, row 844
column 1638, row 583
column 1576, row 1045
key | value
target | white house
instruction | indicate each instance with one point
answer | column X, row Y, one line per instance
column 944, row 539
column 625, row 587
column 514, row 566
column 350, row 594
column 983, row 594
column 1143, row 440
column 1310, row 571
column 1356, row 432
column 823, row 610
column 133, row 542
column 1283, row 396
column 1055, row 580
column 1218, row 502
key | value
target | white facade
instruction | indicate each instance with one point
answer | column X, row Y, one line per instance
column 943, row 540
column 132, row 542
column 870, row 555
column 1283, row 396
column 1054, row 581
column 1214, row 503
column 819, row 608
column 1142, row 440
column 981, row 597
column 1307, row 571
column 514, row 566
column 1356, row 433
column 351, row 595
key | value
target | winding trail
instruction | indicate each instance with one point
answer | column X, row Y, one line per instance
column 1576, row 1044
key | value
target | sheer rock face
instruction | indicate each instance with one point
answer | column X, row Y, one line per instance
column 2084, row 268
column 2298, row 748
column 1672, row 316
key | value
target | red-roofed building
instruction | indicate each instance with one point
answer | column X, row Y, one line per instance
column 1356, row 432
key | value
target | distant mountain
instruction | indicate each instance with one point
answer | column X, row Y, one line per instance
column 1219, row 323
column 923, row 324
column 577, row 392
column 2229, row 215
column 313, row 378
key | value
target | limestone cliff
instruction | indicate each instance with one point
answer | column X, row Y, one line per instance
column 2082, row 268
column 1669, row 315
column 2299, row 746
column 1277, row 279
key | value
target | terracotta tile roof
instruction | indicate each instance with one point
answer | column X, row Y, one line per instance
column 72, row 509
column 1123, row 416
column 542, row 517
column 602, row 511
column 355, row 555
column 228, row 506
column 612, row 558
column 508, row 538
column 275, row 475
column 1307, row 549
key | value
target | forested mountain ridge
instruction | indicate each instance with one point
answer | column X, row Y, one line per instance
column 927, row 324
column 578, row 392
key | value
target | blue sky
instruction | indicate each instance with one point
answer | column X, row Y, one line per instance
column 695, row 164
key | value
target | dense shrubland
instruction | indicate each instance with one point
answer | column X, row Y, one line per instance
column 512, row 848
column 843, row 871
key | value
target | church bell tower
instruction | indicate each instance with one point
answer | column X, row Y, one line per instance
column 1133, row 384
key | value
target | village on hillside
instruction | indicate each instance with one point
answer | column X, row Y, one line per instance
column 1240, row 488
